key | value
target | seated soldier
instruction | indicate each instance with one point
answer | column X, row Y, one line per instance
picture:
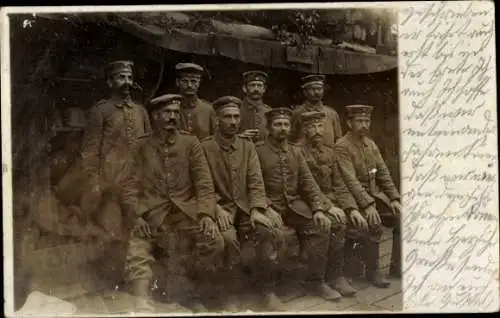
column 293, row 193
column 322, row 161
column 368, row 179
column 242, row 205
column 170, row 190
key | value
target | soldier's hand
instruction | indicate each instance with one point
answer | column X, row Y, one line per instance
column 208, row 227
column 224, row 219
column 396, row 207
column 372, row 216
column 142, row 227
column 257, row 217
column 322, row 221
column 338, row 214
column 358, row 220
column 275, row 217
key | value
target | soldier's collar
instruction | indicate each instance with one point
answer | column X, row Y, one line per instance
column 163, row 139
column 251, row 104
column 274, row 145
column 225, row 143
column 358, row 141
column 312, row 106
column 122, row 101
column 190, row 103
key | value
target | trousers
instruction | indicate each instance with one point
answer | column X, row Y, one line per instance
column 178, row 236
column 269, row 244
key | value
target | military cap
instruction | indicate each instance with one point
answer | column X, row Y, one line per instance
column 251, row 76
column 119, row 66
column 276, row 113
column 165, row 100
column 358, row 110
column 189, row 69
column 312, row 117
column 312, row 79
column 226, row 101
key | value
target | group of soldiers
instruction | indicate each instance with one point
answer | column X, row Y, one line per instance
column 220, row 173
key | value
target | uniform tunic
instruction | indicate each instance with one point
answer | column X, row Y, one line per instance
column 240, row 188
column 333, row 128
column 288, row 181
column 364, row 171
column 253, row 116
column 113, row 128
column 171, row 189
column 292, row 191
column 323, row 163
column 198, row 117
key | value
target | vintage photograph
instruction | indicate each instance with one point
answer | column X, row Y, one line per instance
column 205, row 161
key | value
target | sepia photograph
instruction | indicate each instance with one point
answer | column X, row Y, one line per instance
column 203, row 161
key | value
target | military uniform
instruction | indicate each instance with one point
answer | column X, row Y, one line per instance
column 368, row 179
column 333, row 128
column 197, row 115
column 239, row 186
column 292, row 192
column 253, row 113
column 323, row 164
column 171, row 189
column 113, row 128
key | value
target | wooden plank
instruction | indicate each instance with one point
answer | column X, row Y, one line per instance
column 330, row 306
column 394, row 302
column 303, row 304
column 373, row 294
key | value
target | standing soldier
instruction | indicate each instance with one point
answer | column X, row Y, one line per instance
column 368, row 179
column 293, row 193
column 313, row 87
column 110, row 140
column 253, row 110
column 323, row 164
column 171, row 191
column 197, row 115
column 242, row 208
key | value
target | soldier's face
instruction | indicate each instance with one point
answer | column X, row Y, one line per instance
column 167, row 117
column 360, row 125
column 314, row 92
column 188, row 85
column 229, row 120
column 315, row 131
column 121, row 82
column 254, row 89
column 280, row 128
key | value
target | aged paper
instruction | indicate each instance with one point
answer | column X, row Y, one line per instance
column 447, row 147
column 449, row 156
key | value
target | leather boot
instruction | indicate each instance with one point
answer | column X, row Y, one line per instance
column 373, row 274
column 140, row 289
column 335, row 272
column 321, row 289
column 395, row 269
column 353, row 265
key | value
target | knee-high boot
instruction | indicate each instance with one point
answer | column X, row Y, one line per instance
column 371, row 255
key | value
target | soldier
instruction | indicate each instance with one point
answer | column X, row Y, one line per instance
column 323, row 164
column 293, row 193
column 110, row 139
column 253, row 110
column 313, row 86
column 368, row 179
column 197, row 115
column 242, row 208
column 171, row 191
